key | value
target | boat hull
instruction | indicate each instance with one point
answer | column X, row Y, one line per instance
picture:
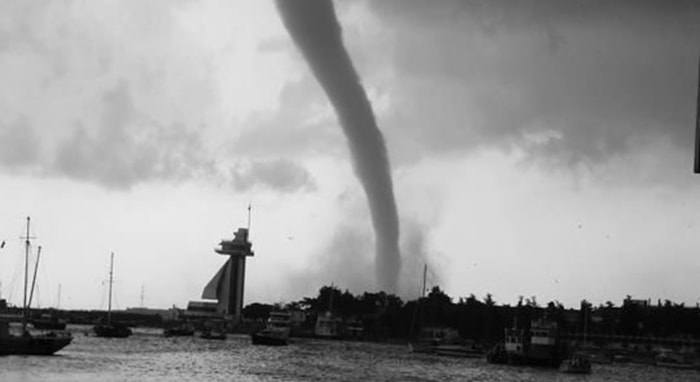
column 213, row 335
column 458, row 351
column 269, row 340
column 576, row 365
column 112, row 331
column 49, row 325
column 33, row 344
column 178, row 332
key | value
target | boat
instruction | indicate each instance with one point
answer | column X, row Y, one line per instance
column 536, row 345
column 180, row 329
column 328, row 326
column 669, row 359
column 432, row 337
column 276, row 332
column 26, row 342
column 49, row 321
column 576, row 364
column 441, row 340
column 213, row 330
column 108, row 328
column 461, row 350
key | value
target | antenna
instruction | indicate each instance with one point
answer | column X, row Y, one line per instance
column 142, row 292
column 249, row 207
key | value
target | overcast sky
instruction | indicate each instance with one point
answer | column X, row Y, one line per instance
column 538, row 148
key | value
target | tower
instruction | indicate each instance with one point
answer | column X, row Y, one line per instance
column 227, row 285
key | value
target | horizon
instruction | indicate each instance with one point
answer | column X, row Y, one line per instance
column 537, row 149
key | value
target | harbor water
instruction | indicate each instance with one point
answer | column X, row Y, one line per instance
column 148, row 356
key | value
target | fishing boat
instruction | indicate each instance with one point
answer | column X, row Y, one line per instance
column 26, row 342
column 108, row 328
column 463, row 349
column 50, row 321
column 180, row 329
column 277, row 331
column 576, row 364
column 669, row 359
column 537, row 345
column 328, row 325
column 213, row 330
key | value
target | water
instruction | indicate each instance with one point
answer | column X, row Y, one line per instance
column 147, row 356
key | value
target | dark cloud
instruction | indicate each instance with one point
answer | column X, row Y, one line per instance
column 593, row 76
column 279, row 175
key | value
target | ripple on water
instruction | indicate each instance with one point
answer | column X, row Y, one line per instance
column 147, row 356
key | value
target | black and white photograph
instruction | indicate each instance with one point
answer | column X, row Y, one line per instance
column 349, row 190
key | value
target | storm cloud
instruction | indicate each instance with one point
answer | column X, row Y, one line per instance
column 570, row 81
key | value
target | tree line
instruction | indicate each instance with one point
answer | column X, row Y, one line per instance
column 387, row 317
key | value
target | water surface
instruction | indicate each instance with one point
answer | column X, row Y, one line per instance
column 147, row 356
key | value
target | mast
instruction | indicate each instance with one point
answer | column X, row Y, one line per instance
column 111, row 273
column 425, row 273
column 36, row 268
column 26, row 276
column 585, row 325
column 58, row 297
column 696, row 168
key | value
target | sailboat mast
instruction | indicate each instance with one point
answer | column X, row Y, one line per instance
column 36, row 268
column 111, row 273
column 696, row 167
column 425, row 273
column 26, row 276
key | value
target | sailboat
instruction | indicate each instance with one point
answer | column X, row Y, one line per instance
column 440, row 339
column 108, row 328
column 27, row 343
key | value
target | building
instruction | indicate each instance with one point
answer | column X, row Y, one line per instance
column 227, row 285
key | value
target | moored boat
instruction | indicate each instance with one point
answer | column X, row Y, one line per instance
column 181, row 329
column 26, row 342
column 108, row 328
column 212, row 334
column 213, row 330
column 328, row 326
column 536, row 345
column 276, row 332
column 49, row 321
column 673, row 360
column 112, row 330
column 576, row 364
column 432, row 338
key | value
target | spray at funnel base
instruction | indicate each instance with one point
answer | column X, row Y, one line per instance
column 315, row 30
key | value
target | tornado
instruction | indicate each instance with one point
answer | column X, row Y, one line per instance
column 315, row 30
